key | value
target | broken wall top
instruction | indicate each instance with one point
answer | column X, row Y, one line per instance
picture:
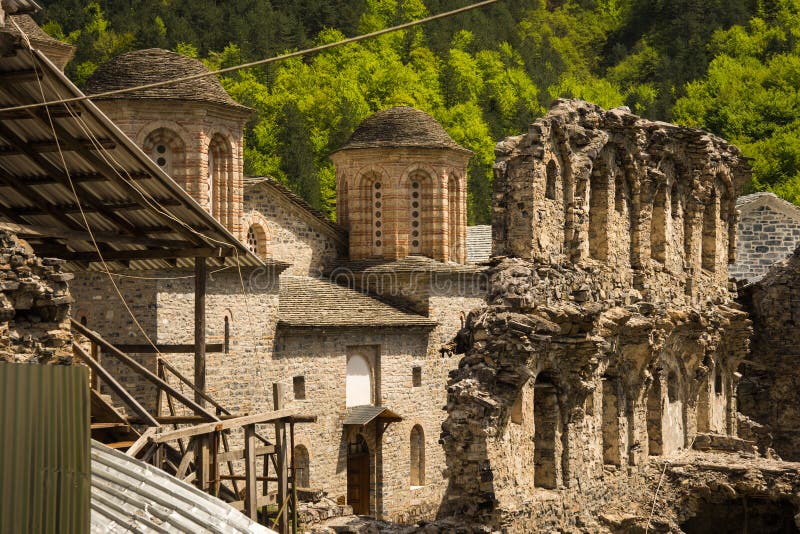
column 651, row 202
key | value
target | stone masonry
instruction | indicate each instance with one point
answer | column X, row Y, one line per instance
column 34, row 306
column 611, row 337
column 769, row 231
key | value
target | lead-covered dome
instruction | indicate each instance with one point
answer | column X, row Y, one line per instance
column 401, row 126
column 153, row 65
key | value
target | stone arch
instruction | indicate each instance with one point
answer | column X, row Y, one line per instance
column 372, row 184
column 302, row 466
column 417, row 452
column 168, row 150
column 261, row 234
column 219, row 190
column 547, row 432
column 658, row 224
column 423, row 181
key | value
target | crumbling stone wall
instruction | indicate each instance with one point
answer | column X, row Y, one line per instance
column 770, row 387
column 34, row 306
column 601, row 344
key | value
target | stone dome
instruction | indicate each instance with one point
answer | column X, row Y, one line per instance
column 155, row 65
column 401, row 126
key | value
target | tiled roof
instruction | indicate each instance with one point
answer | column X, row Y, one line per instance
column 362, row 415
column 746, row 203
column 297, row 200
column 157, row 65
column 306, row 301
column 401, row 126
column 409, row 264
column 131, row 496
column 479, row 243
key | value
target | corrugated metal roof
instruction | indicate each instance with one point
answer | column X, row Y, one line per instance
column 361, row 415
column 135, row 210
column 44, row 457
column 131, row 496
column 479, row 243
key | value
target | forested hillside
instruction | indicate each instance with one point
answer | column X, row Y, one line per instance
column 730, row 66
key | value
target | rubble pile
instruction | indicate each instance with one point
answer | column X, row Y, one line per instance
column 34, row 305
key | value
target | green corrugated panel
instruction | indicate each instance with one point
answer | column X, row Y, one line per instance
column 45, row 468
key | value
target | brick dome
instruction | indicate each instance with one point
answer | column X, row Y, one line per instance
column 155, row 65
column 401, row 126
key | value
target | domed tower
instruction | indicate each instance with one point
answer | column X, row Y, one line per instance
column 193, row 130
column 401, row 188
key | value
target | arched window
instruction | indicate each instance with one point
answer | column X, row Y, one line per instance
column 257, row 240
column 546, row 422
column 654, row 418
column 673, row 387
column 227, row 335
column 415, row 216
column 167, row 150
column 302, row 476
column 219, row 183
column 417, row 456
column 359, row 381
column 658, row 225
column 377, row 218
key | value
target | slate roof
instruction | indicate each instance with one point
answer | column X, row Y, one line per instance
column 479, row 243
column 401, row 126
column 131, row 496
column 362, row 415
column 297, row 200
column 409, row 264
column 745, row 203
column 156, row 65
column 33, row 31
column 306, row 302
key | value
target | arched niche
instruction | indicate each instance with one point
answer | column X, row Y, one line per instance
column 417, row 453
column 359, row 384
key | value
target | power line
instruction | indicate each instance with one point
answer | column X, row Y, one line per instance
column 259, row 62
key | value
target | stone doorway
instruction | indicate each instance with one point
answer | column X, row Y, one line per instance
column 358, row 475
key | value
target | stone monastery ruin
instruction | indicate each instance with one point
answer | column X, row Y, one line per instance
column 582, row 379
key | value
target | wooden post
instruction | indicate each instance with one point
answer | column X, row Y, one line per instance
column 202, row 461
column 250, row 489
column 200, row 329
column 95, row 353
column 282, row 460
column 294, row 480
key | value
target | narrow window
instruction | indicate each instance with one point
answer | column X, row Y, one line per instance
column 359, row 381
column 546, row 433
column 673, row 387
column 675, row 201
column 252, row 240
column 210, row 183
column 417, row 456
column 718, row 382
column 516, row 411
column 658, row 226
column 416, row 376
column 84, row 320
column 227, row 335
column 302, row 476
column 377, row 219
column 550, row 182
column 299, row 386
column 415, row 210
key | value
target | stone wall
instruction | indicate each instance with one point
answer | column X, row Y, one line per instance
column 290, row 233
column 34, row 306
column 652, row 200
column 769, row 392
column 769, row 231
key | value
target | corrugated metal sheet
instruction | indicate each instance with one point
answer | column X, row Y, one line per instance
column 479, row 243
column 143, row 209
column 131, row 496
column 44, row 456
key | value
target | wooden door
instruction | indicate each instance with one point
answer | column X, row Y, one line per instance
column 358, row 482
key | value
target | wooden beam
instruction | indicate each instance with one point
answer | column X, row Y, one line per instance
column 149, row 254
column 110, row 349
column 281, row 459
column 115, row 386
column 28, row 230
column 200, row 279
column 180, row 419
column 52, row 146
column 140, row 443
column 237, row 422
column 250, row 485
column 171, row 369
column 233, row 456
column 187, row 459
column 166, row 348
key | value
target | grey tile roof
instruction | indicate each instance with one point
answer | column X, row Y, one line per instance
column 401, row 126
column 746, row 203
column 157, row 65
column 362, row 415
column 306, row 301
column 479, row 243
column 131, row 496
